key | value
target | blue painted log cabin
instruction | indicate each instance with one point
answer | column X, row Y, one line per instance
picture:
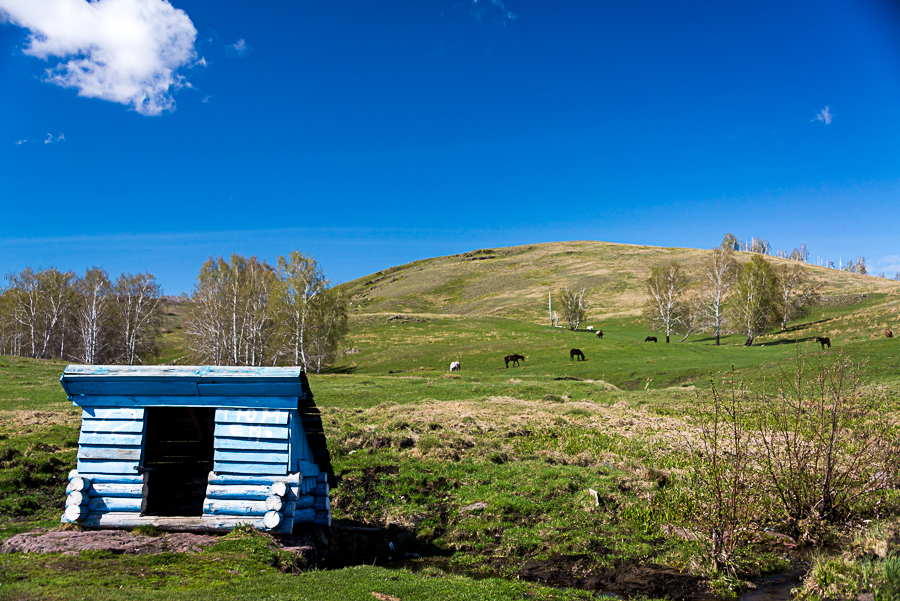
column 197, row 448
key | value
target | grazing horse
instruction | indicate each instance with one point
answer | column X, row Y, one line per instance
column 599, row 333
column 454, row 366
column 824, row 341
column 514, row 359
column 590, row 328
column 651, row 339
column 888, row 334
column 575, row 353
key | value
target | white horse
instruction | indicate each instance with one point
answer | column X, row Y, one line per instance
column 590, row 328
column 454, row 366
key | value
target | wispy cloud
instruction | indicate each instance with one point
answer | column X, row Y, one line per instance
column 490, row 10
column 824, row 116
column 888, row 263
column 124, row 51
column 239, row 48
column 48, row 139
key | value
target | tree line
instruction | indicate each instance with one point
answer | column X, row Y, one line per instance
column 725, row 297
column 242, row 311
column 90, row 319
column 247, row 312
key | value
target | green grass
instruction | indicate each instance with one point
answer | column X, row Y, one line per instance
column 414, row 444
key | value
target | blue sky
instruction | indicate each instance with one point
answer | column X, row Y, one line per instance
column 140, row 135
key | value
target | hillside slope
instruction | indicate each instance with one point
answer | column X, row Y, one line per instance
column 514, row 282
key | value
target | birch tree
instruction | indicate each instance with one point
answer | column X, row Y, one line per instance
column 666, row 309
column 574, row 306
column 138, row 305
column 330, row 318
column 797, row 294
column 755, row 303
column 717, row 279
column 92, row 315
column 41, row 302
column 301, row 284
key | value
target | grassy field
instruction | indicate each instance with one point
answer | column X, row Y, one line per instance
column 481, row 478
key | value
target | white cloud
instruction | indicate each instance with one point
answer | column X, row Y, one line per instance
column 48, row 139
column 483, row 10
column 824, row 115
column 124, row 51
column 239, row 48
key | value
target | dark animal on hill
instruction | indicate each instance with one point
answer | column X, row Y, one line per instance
column 824, row 341
column 889, row 334
column 599, row 333
column 454, row 366
column 514, row 359
column 651, row 339
column 575, row 353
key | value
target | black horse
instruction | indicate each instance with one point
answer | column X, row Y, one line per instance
column 824, row 341
column 651, row 339
column 514, row 359
column 575, row 353
column 599, row 333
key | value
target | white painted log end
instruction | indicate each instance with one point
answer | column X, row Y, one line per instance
column 274, row 503
column 75, row 513
column 77, row 498
column 272, row 519
column 78, row 484
column 278, row 489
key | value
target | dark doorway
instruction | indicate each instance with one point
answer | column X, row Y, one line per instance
column 178, row 453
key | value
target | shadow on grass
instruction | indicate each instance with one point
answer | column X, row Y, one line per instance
column 340, row 369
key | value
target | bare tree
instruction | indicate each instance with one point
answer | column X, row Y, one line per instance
column 92, row 315
column 797, row 293
column 666, row 309
column 574, row 307
column 232, row 321
column 42, row 300
column 138, row 312
column 716, row 281
column 330, row 319
column 301, row 283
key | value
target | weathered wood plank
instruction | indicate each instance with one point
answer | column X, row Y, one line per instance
column 251, row 444
column 117, row 453
column 110, row 478
column 218, row 479
column 253, row 389
column 274, row 469
column 253, row 416
column 111, row 439
column 304, row 501
column 252, row 432
column 99, row 466
column 107, row 388
column 251, row 457
column 177, row 524
column 112, row 426
column 247, row 492
column 107, row 504
column 304, row 516
column 134, row 491
column 112, row 413
column 307, row 468
column 186, row 401
column 241, row 507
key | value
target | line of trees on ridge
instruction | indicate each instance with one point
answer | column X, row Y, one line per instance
column 242, row 311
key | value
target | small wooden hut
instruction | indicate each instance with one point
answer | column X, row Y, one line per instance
column 197, row 448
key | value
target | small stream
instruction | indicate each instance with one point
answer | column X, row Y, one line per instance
column 775, row 588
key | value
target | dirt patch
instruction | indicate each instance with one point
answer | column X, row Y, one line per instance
column 19, row 420
column 651, row 580
column 114, row 541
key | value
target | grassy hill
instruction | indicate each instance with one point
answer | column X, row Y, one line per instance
column 513, row 282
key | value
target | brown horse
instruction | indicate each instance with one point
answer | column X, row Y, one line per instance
column 824, row 341
column 575, row 353
column 651, row 339
column 514, row 359
column 888, row 334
